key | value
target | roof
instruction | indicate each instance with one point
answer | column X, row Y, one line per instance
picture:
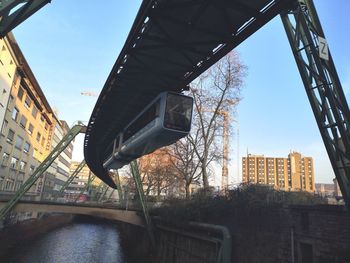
column 169, row 45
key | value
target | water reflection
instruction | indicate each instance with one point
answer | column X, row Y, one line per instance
column 79, row 243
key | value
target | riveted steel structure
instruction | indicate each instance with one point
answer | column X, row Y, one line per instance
column 134, row 168
column 14, row 12
column 173, row 42
column 322, row 86
column 169, row 45
column 70, row 179
column 61, row 146
column 88, row 184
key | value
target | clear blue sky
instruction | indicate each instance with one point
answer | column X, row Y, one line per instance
column 72, row 45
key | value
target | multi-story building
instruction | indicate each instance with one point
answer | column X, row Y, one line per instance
column 7, row 72
column 59, row 171
column 80, row 181
column 61, row 166
column 29, row 128
column 26, row 129
column 295, row 173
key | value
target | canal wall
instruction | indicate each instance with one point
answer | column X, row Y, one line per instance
column 274, row 233
column 294, row 234
column 13, row 235
column 290, row 234
column 176, row 243
column 135, row 243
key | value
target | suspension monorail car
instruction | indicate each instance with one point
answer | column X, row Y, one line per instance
column 164, row 121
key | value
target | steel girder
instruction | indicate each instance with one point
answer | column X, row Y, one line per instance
column 170, row 44
column 110, row 195
column 103, row 193
column 119, row 188
column 14, row 12
column 61, row 146
column 70, row 179
column 322, row 86
column 134, row 168
column 90, row 180
column 98, row 191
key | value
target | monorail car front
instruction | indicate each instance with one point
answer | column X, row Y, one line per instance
column 164, row 121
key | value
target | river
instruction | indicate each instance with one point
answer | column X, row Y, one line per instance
column 78, row 243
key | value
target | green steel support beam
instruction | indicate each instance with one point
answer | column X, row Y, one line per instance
column 14, row 12
column 137, row 178
column 322, row 86
column 97, row 191
column 70, row 179
column 110, row 196
column 119, row 188
column 66, row 140
column 90, row 180
column 104, row 191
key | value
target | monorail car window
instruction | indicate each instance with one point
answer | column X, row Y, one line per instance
column 178, row 112
column 145, row 118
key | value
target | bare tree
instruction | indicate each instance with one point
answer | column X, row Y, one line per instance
column 214, row 92
column 157, row 173
column 185, row 161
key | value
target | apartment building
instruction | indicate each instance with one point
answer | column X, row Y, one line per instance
column 59, row 171
column 61, row 166
column 295, row 173
column 27, row 128
column 7, row 72
column 79, row 183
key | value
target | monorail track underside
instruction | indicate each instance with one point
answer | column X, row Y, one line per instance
column 173, row 41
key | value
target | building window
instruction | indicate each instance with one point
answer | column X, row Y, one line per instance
column 19, row 142
column 22, row 165
column 31, row 170
column 30, row 129
column 20, row 93
column 42, row 119
column 26, row 147
column 27, row 102
column 35, row 152
column 5, row 159
column 34, row 111
column 1, row 180
column 14, row 162
column 42, row 141
column 23, row 122
column 18, row 185
column 9, row 184
column 15, row 114
column 4, row 126
column 46, row 126
column 38, row 136
column 10, row 135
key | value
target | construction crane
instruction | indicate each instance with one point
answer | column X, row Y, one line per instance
column 90, row 94
column 224, row 179
column 225, row 141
